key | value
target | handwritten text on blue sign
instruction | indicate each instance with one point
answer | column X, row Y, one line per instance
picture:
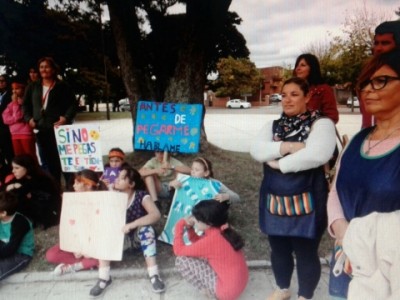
column 172, row 127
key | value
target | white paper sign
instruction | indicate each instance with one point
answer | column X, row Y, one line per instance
column 79, row 147
column 91, row 224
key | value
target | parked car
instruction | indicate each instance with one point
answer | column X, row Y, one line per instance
column 275, row 98
column 237, row 103
column 356, row 102
column 124, row 104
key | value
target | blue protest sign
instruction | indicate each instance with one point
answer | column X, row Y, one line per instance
column 172, row 127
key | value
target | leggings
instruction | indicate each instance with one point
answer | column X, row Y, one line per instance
column 197, row 272
column 308, row 264
column 57, row 256
column 144, row 238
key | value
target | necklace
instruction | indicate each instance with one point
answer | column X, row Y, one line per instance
column 380, row 141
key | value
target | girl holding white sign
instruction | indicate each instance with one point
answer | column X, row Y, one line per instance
column 68, row 262
column 141, row 213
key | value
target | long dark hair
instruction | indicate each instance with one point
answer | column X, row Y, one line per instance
column 315, row 76
column 215, row 214
column 92, row 179
column 34, row 170
column 134, row 177
column 30, row 164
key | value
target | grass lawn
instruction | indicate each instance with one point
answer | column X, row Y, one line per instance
column 236, row 170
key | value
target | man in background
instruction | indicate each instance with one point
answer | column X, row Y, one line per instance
column 387, row 38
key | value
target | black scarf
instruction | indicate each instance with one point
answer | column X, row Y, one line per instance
column 300, row 123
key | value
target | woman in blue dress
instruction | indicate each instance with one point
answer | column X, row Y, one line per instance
column 368, row 174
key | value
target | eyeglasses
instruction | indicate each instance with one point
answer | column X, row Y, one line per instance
column 378, row 83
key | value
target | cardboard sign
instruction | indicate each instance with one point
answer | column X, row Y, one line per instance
column 79, row 147
column 91, row 224
column 172, row 127
column 193, row 191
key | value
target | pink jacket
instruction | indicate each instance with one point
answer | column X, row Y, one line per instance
column 14, row 118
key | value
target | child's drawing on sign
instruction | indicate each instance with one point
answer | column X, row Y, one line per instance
column 172, row 127
column 79, row 147
column 91, row 224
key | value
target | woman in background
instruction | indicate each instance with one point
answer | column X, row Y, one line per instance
column 321, row 94
column 48, row 103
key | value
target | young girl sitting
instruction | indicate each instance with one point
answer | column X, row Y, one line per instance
column 202, row 168
column 213, row 263
column 116, row 160
column 141, row 213
column 17, row 243
column 38, row 194
column 85, row 181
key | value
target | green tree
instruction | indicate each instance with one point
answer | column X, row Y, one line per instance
column 237, row 77
column 179, row 51
column 343, row 56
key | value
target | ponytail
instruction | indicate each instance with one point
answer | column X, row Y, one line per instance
column 215, row 214
column 233, row 238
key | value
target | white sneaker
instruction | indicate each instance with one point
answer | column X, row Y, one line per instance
column 62, row 269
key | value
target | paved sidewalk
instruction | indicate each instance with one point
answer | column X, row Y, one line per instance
column 133, row 284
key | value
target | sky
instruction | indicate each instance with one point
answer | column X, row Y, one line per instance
column 277, row 31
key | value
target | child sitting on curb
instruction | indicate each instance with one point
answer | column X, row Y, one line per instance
column 213, row 263
column 141, row 213
column 16, row 237
column 85, row 181
column 202, row 168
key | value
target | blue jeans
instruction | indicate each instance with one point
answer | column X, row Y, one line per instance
column 13, row 264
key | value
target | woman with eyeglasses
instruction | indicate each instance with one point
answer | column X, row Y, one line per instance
column 368, row 175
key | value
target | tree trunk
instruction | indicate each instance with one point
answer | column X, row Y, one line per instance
column 125, row 26
column 204, row 20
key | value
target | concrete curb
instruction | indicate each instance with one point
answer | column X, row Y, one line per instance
column 115, row 273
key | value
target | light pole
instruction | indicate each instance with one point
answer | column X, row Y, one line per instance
column 104, row 61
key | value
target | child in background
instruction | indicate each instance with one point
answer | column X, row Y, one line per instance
column 202, row 168
column 158, row 172
column 68, row 262
column 23, row 139
column 39, row 196
column 213, row 263
column 16, row 237
column 116, row 161
column 141, row 213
